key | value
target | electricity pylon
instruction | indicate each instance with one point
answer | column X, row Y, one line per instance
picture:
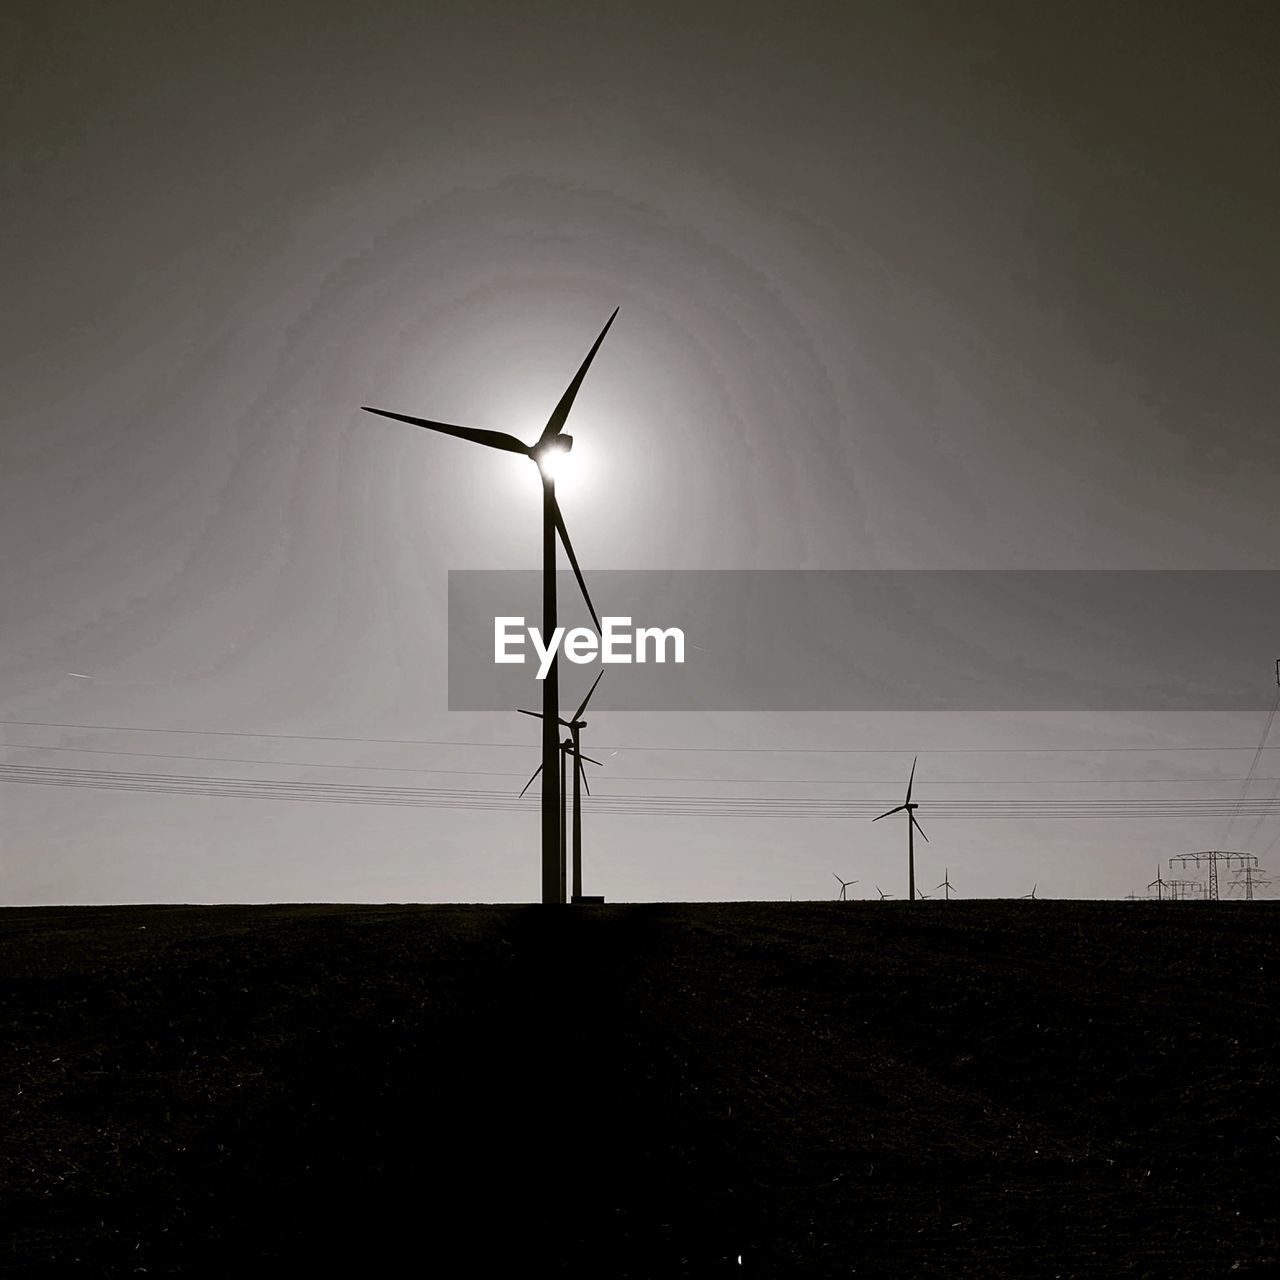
column 1211, row 858
column 1250, row 875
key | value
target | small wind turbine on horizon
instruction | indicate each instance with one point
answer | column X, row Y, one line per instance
column 1032, row 894
column 566, row 751
column 575, row 727
column 547, row 452
column 946, row 884
column 1159, row 884
column 882, row 893
column 844, row 885
column 912, row 827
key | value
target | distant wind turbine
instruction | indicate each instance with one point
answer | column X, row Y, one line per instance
column 1159, row 884
column 547, row 451
column 912, row 827
column 946, row 884
column 882, row 893
column 566, row 751
column 1032, row 894
column 575, row 726
column 844, row 885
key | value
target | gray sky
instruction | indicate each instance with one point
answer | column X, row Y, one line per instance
column 902, row 285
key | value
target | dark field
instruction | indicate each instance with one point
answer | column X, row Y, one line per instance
column 1016, row 1089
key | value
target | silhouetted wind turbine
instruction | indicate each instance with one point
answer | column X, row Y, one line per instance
column 844, row 885
column 566, row 750
column 946, row 884
column 1032, row 894
column 1158, row 884
column 575, row 726
column 547, row 450
column 882, row 893
column 912, row 827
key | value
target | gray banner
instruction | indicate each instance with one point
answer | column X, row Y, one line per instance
column 888, row 640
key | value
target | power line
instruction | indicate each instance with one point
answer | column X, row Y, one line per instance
column 1271, row 848
column 656, row 804
column 290, row 764
column 17, row 772
column 524, row 746
column 620, row 777
column 1262, row 745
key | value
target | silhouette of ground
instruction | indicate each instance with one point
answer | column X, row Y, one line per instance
column 752, row 1089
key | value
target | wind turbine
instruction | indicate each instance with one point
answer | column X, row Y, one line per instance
column 547, row 451
column 946, row 884
column 575, row 727
column 1159, row 885
column 882, row 893
column 566, row 750
column 912, row 827
column 844, row 885
column 1030, row 895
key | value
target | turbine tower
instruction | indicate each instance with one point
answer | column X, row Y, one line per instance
column 912, row 827
column 546, row 452
column 566, row 750
column 575, row 727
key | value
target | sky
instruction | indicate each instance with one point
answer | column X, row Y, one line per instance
column 901, row 286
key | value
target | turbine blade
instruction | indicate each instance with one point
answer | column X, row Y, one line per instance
column 573, row 560
column 528, row 784
column 912, row 778
column 537, row 715
column 494, row 439
column 919, row 828
column 555, row 424
column 887, row 812
column 582, row 773
column 582, row 706
column 589, row 760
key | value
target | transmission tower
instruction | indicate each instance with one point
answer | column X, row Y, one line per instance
column 1249, row 877
column 1182, row 890
column 1211, row 858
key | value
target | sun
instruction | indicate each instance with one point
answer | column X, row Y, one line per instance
column 554, row 458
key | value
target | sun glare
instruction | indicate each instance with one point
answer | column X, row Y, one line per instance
column 556, row 463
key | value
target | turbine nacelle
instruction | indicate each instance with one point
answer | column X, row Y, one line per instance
column 550, row 454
